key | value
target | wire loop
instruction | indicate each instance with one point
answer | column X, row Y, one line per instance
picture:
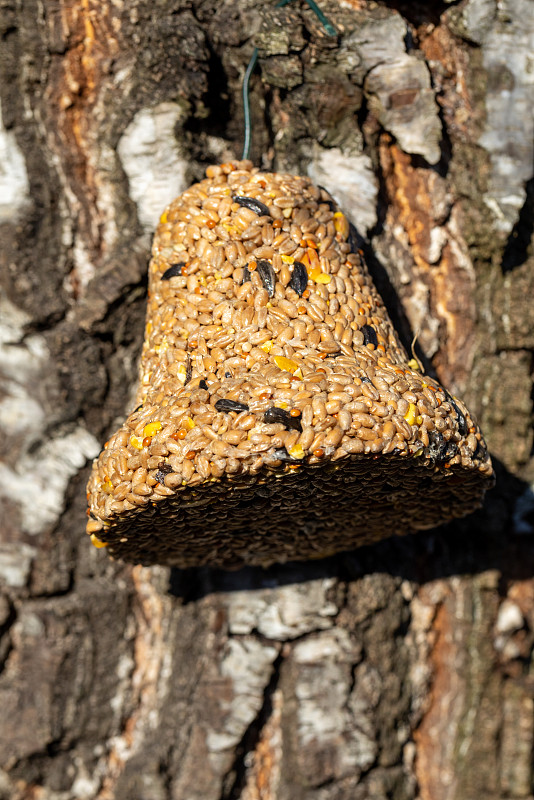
column 331, row 31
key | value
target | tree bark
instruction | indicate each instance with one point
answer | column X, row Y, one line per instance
column 403, row 670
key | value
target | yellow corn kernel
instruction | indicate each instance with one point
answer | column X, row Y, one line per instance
column 287, row 212
column 181, row 373
column 419, row 420
column 286, row 364
column 163, row 218
column 162, row 346
column 341, row 224
column 107, row 487
column 136, row 442
column 318, row 276
column 296, row 451
column 151, row 428
column 413, row 364
column 287, row 259
column 96, row 541
column 410, row 414
column 188, row 423
column 267, row 346
column 298, row 374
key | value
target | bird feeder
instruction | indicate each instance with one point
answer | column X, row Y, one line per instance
column 278, row 417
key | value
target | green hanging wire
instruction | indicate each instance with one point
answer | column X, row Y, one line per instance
column 327, row 25
column 331, row 31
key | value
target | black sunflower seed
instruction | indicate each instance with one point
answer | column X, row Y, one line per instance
column 188, row 370
column 230, row 405
column 267, row 275
column 164, row 469
column 369, row 335
column 355, row 240
column 452, row 449
column 299, row 278
column 460, row 419
column 275, row 414
column 173, row 271
column 159, row 476
column 254, row 205
column 202, row 384
column 246, row 274
column 437, row 449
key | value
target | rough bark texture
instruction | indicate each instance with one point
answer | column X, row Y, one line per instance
column 400, row 671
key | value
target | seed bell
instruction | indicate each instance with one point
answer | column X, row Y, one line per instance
column 277, row 416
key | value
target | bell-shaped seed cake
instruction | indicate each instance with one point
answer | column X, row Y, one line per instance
column 278, row 417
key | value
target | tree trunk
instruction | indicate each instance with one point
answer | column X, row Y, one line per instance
column 403, row 670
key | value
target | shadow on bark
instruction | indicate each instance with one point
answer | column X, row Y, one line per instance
column 516, row 251
column 464, row 547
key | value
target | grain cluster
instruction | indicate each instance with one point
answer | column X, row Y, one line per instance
column 278, row 417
